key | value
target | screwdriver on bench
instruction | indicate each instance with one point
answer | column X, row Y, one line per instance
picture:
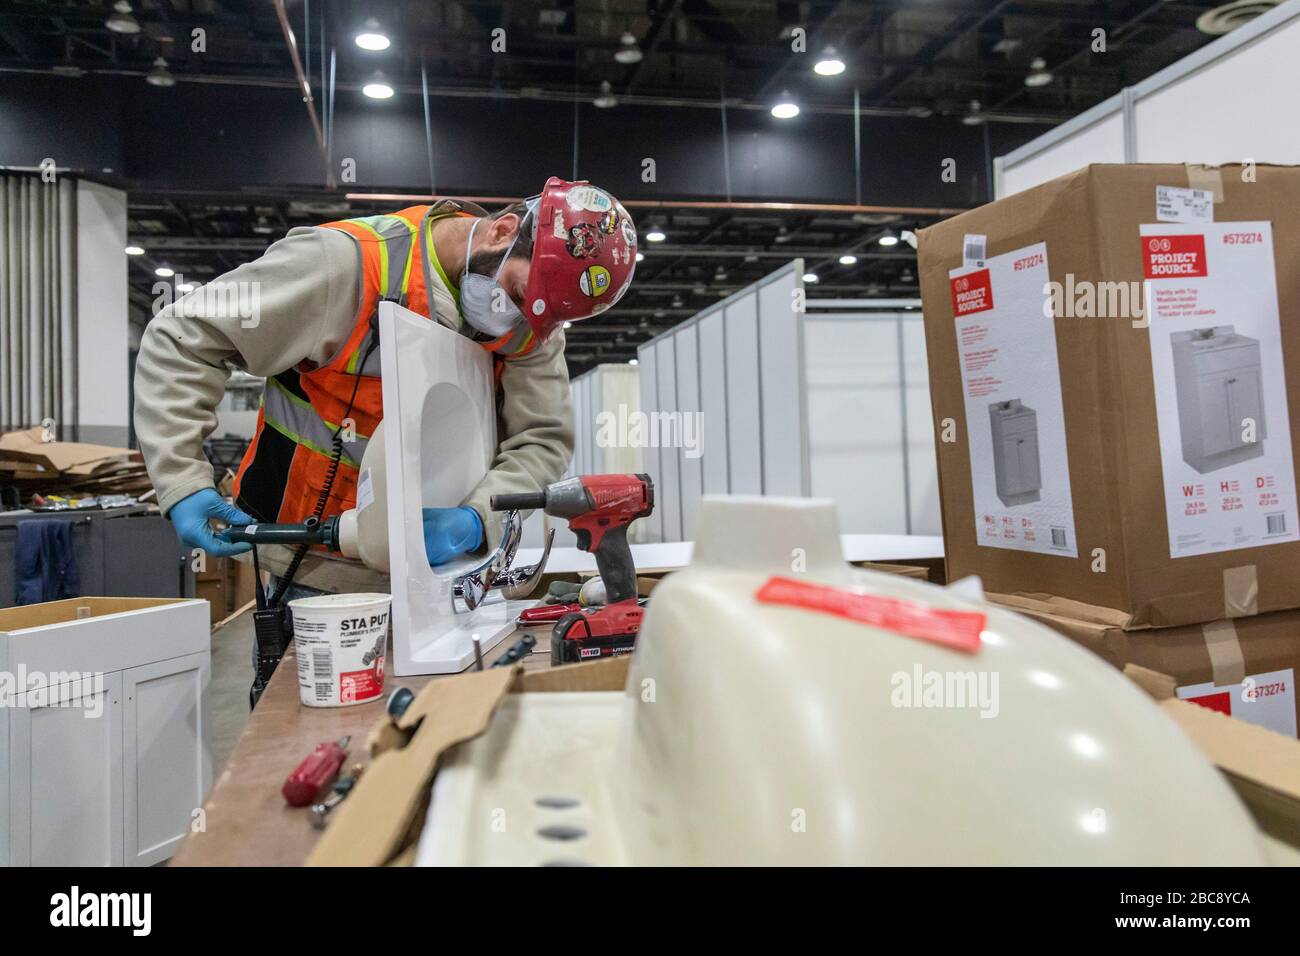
column 317, row 769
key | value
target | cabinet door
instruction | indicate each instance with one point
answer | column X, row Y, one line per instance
column 167, row 756
column 1218, row 433
column 65, row 776
column 1010, row 460
column 1245, row 401
column 1030, row 478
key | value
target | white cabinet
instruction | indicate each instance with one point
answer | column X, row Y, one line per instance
column 66, row 775
column 1016, row 467
column 1220, row 397
column 105, row 755
column 168, row 764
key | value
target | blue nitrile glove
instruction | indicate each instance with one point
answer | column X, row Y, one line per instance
column 449, row 532
column 190, row 518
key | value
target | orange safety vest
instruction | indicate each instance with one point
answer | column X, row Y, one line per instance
column 288, row 463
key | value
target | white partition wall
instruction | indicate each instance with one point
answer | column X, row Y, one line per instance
column 690, row 465
column 652, row 528
column 920, row 466
column 855, row 418
column 598, row 445
column 744, row 448
column 711, row 340
column 1096, row 136
column 870, row 433
column 727, row 389
column 1233, row 100
column 782, row 407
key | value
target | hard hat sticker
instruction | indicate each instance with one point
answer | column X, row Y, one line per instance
column 584, row 241
column 594, row 280
column 959, row 630
column 629, row 232
column 590, row 198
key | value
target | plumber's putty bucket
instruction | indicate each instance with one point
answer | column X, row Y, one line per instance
column 341, row 642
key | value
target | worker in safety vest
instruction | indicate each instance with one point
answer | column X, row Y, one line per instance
column 303, row 316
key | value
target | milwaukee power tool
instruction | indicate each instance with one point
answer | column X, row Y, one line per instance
column 599, row 508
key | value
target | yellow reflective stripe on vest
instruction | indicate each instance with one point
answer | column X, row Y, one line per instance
column 395, row 247
column 298, row 420
column 397, row 234
column 453, row 290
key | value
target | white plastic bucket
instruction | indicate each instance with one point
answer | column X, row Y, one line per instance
column 341, row 642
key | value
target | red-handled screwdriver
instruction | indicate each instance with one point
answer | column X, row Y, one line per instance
column 317, row 769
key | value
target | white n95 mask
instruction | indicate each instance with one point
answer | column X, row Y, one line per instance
column 483, row 302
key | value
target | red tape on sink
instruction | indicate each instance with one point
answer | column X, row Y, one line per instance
column 959, row 630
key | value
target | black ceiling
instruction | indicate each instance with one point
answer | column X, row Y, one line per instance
column 923, row 62
column 918, row 54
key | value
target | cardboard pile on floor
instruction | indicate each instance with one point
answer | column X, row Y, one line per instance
column 33, row 464
column 1108, row 366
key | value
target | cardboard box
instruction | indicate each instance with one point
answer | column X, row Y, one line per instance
column 1119, row 478
column 1244, row 668
column 243, row 588
column 1263, row 767
column 916, row 571
column 380, row 822
column 217, row 594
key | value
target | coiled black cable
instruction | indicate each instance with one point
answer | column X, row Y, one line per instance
column 336, row 457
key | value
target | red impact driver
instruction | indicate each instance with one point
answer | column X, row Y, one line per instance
column 599, row 509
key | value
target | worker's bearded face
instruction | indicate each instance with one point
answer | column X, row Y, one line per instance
column 496, row 274
column 494, row 239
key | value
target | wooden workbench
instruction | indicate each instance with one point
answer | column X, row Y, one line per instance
column 245, row 821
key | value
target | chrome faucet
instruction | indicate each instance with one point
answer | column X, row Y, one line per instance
column 495, row 571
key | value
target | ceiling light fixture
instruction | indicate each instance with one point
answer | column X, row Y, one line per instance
column 655, row 235
column 888, row 239
column 378, row 88
column 829, row 64
column 848, row 259
column 160, row 75
column 185, row 287
column 1228, row 17
column 372, row 38
column 162, row 272
column 974, row 117
column 640, row 256
column 628, row 53
column 785, row 107
column 631, row 362
column 1040, row 75
column 605, row 99
column 811, row 278
column 134, row 251
column 121, row 21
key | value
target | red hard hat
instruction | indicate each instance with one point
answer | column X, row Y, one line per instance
column 584, row 254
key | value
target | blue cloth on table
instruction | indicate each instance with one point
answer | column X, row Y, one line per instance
column 45, row 562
